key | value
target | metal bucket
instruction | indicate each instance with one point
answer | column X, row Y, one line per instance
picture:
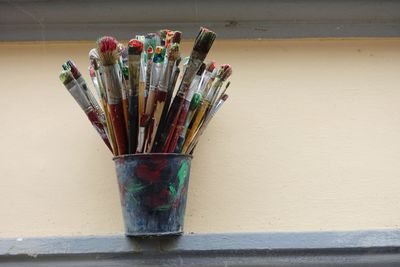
column 153, row 190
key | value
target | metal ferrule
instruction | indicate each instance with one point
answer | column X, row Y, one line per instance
column 155, row 75
column 79, row 95
column 165, row 79
column 113, row 83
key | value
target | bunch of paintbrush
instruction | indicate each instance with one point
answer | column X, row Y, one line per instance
column 135, row 84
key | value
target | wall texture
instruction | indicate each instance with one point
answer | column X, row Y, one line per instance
column 308, row 140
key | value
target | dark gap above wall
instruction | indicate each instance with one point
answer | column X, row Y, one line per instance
column 37, row 20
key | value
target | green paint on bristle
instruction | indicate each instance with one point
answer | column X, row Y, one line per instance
column 158, row 55
column 66, row 76
column 195, row 101
column 151, row 40
column 203, row 42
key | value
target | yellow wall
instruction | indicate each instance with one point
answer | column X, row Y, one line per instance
column 309, row 140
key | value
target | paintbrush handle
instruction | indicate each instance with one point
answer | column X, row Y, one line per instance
column 94, row 119
column 110, row 131
column 134, row 102
column 197, row 121
column 141, row 99
column 179, row 126
column 161, row 96
column 118, row 123
column 159, row 138
column 115, row 108
column 172, row 120
column 133, row 123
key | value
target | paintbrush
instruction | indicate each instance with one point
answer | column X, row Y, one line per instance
column 205, row 124
column 144, row 118
column 157, row 146
column 203, row 43
column 195, row 98
column 142, row 79
column 107, row 49
column 157, row 67
column 80, row 97
column 205, row 104
column 227, row 71
column 162, row 92
column 149, row 63
column 135, row 48
column 94, row 61
column 124, row 78
column 82, row 83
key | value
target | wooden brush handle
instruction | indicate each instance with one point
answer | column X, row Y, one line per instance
column 197, row 120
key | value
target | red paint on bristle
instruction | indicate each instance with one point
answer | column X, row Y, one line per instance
column 212, row 66
column 168, row 38
column 150, row 50
column 136, row 45
column 225, row 97
column 107, row 44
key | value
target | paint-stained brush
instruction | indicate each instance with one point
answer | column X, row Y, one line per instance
column 195, row 97
column 135, row 48
column 202, row 46
column 205, row 104
column 82, row 83
column 205, row 124
column 80, row 97
column 162, row 92
column 107, row 49
column 157, row 146
column 94, row 62
column 157, row 67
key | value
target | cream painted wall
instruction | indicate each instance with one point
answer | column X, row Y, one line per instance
column 309, row 140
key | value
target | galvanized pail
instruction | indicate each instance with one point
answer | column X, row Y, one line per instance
column 153, row 190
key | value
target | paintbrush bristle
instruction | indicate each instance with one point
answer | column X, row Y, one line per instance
column 107, row 47
column 158, row 57
column 173, row 52
column 151, row 40
column 66, row 77
column 135, row 47
column 203, row 42
column 227, row 71
column 176, row 39
column 225, row 97
column 211, row 66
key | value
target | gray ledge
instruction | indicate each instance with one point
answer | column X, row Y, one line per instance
column 357, row 248
column 23, row 20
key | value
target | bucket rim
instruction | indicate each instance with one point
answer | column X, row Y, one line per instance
column 139, row 155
